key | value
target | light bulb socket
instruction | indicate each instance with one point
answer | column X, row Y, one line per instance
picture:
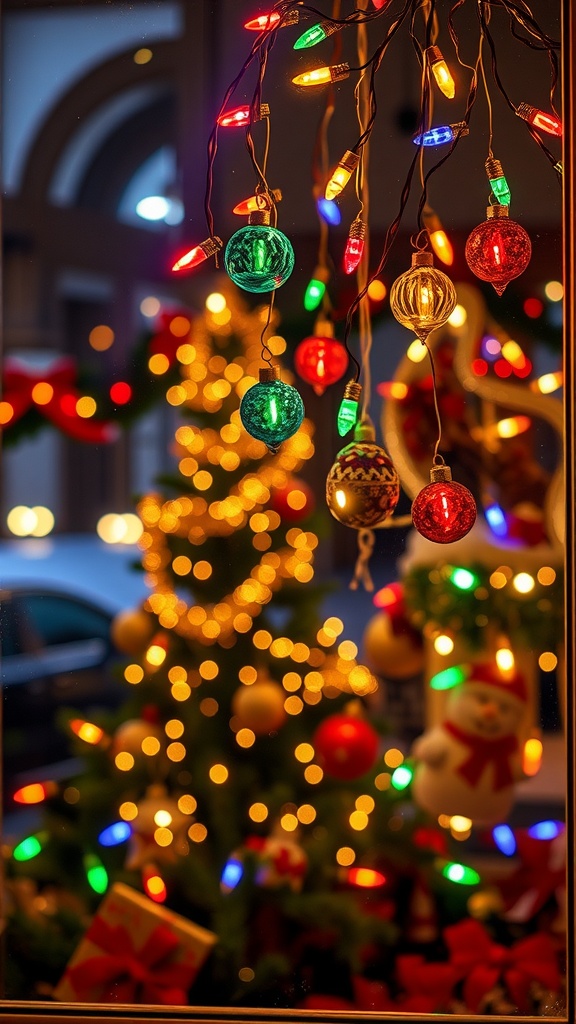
column 350, row 160
column 433, row 55
column 460, row 128
column 263, row 111
column 352, row 391
column 266, row 374
column 496, row 212
column 493, row 168
column 338, row 72
column 211, row 246
column 323, row 328
column 291, row 18
column 525, row 111
column 440, row 474
column 329, row 27
column 276, row 194
column 357, row 229
column 422, row 259
column 259, row 217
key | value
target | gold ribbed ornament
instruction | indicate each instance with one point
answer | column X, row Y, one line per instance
column 422, row 298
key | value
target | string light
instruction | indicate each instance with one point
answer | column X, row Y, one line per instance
column 449, row 677
column 321, row 76
column 504, row 839
column 96, row 873
column 355, row 245
column 266, row 22
column 441, row 135
column 241, row 117
column 316, row 34
column 260, row 201
column 439, row 241
column 440, row 70
column 194, row 257
column 329, row 211
column 539, row 119
column 30, row 847
column 498, row 183
column 348, row 411
column 35, row 792
column 342, row 173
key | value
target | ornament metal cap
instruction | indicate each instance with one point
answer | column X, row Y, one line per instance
column 353, row 391
column 267, row 374
column 350, row 160
column 525, row 111
column 259, row 217
column 434, row 54
column 337, row 73
column 357, row 228
column 211, row 245
column 323, row 328
column 496, row 212
column 440, row 474
column 422, row 259
column 364, row 431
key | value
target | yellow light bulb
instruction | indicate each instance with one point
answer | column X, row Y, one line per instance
column 441, row 72
column 342, row 174
column 320, row 76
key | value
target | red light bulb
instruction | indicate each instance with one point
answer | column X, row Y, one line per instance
column 499, row 249
column 241, row 116
column 443, row 511
column 321, row 360
column 379, row 4
column 265, row 22
column 540, row 119
column 354, row 246
column 191, row 259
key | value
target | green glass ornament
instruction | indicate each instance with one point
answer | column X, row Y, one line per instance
column 258, row 257
column 270, row 410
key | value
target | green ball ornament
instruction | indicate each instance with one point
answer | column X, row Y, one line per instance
column 258, row 257
column 270, row 410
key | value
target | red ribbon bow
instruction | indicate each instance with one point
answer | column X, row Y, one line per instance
column 482, row 962
column 124, row 974
column 19, row 383
column 484, row 752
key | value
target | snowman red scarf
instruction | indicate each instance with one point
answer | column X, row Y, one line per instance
column 484, row 752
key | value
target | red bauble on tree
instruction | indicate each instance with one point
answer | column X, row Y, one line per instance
column 346, row 746
column 293, row 502
column 499, row 249
column 443, row 511
column 321, row 360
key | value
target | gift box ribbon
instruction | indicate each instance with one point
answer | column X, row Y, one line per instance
column 124, row 974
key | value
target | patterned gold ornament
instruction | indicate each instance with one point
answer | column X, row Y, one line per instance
column 362, row 488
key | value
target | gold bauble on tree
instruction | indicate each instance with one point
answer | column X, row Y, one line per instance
column 362, row 488
column 132, row 630
column 260, row 707
column 391, row 650
column 422, row 298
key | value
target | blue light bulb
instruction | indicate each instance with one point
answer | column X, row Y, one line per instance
column 329, row 210
column 441, row 135
column 504, row 838
column 115, row 834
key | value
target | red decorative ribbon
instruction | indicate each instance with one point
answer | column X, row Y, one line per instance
column 19, row 382
column 124, row 974
column 482, row 963
column 484, row 752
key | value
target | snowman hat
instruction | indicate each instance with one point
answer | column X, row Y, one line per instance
column 512, row 683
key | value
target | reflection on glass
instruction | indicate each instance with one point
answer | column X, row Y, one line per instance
column 226, row 784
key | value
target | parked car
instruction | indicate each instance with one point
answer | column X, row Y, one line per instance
column 56, row 646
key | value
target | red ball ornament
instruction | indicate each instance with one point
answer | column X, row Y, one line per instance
column 321, row 360
column 499, row 249
column 346, row 746
column 293, row 502
column 443, row 511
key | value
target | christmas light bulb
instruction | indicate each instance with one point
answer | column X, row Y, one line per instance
column 231, row 875
column 328, row 210
column 540, row 119
column 342, row 173
column 260, row 201
column 532, row 756
column 320, row 359
column 30, row 847
column 316, row 34
column 365, row 878
column 265, row 22
column 35, row 792
column 320, row 76
column 422, row 298
column 496, row 520
column 270, row 410
column 95, row 873
column 115, row 834
column 438, row 237
column 198, row 254
column 497, row 181
column 348, row 411
column 504, row 839
column 440, row 70
column 316, row 289
column 258, row 257
column 154, row 884
column 463, row 579
column 443, row 511
column 449, row 677
column 441, row 135
column 354, row 246
column 380, row 4
column 460, row 873
column 86, row 731
column 499, row 249
column 401, row 777
column 240, row 117
column 547, row 829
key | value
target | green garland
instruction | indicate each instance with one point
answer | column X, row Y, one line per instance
column 532, row 621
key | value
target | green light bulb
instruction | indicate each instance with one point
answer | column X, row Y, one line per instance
column 310, row 37
column 29, row 847
column 497, row 181
column 463, row 579
column 449, row 677
column 460, row 873
column 401, row 777
column 314, row 294
column 96, row 873
column 348, row 411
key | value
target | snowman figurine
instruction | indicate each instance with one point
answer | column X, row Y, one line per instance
column 469, row 763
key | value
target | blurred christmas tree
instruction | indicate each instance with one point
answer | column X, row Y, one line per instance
column 245, row 784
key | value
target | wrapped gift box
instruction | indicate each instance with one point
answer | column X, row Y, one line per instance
column 135, row 951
